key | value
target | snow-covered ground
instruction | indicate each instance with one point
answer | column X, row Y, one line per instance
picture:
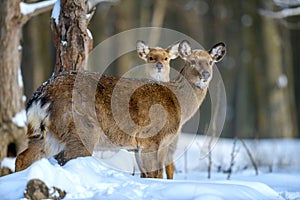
column 110, row 177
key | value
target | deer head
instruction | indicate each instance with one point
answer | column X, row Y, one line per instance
column 158, row 58
column 200, row 62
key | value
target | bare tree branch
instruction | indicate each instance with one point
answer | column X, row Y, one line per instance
column 286, row 3
column 29, row 10
column 287, row 12
column 233, row 155
column 250, row 156
column 93, row 3
column 209, row 159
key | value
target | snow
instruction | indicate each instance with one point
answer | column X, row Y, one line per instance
column 87, row 178
column 56, row 11
column 20, row 48
column 89, row 33
column 8, row 162
column 20, row 119
column 64, row 42
column 94, row 178
column 31, row 8
column 20, row 78
column 24, row 98
column 282, row 81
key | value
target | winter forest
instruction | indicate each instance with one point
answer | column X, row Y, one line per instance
column 240, row 141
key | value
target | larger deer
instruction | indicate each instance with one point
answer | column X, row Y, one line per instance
column 56, row 123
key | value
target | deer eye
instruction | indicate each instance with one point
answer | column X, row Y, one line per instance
column 193, row 62
column 210, row 62
column 166, row 58
column 151, row 58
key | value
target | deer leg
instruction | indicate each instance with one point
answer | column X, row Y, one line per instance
column 148, row 164
column 161, row 157
column 139, row 163
column 34, row 152
column 170, row 168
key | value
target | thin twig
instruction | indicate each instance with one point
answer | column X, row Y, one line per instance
column 185, row 163
column 233, row 154
column 209, row 159
column 250, row 156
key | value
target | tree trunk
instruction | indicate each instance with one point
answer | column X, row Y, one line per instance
column 11, row 84
column 122, row 18
column 279, row 112
column 37, row 59
column 71, row 36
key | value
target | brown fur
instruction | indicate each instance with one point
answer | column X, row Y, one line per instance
column 153, row 56
column 79, row 113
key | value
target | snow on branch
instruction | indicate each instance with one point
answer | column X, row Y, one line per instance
column 91, row 8
column 287, row 12
column 33, row 9
column 56, row 12
column 285, row 3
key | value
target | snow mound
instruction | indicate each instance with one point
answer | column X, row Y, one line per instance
column 88, row 178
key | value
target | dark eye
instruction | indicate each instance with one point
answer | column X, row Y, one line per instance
column 151, row 58
column 210, row 62
column 193, row 62
column 166, row 58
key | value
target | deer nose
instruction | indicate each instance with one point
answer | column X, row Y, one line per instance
column 205, row 74
column 159, row 65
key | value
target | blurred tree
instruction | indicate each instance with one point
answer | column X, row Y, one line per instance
column 287, row 15
column 121, row 18
column 38, row 59
column 259, row 72
column 279, row 108
column 13, row 15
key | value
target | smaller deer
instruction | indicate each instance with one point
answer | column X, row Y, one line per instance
column 159, row 70
column 159, row 59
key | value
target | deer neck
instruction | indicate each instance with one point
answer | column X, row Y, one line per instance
column 189, row 95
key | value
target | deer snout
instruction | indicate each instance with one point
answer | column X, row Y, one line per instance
column 159, row 65
column 205, row 75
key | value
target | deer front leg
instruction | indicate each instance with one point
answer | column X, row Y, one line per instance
column 34, row 152
column 169, row 164
column 150, row 163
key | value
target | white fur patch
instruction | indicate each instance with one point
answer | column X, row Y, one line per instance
column 202, row 83
column 37, row 115
column 52, row 146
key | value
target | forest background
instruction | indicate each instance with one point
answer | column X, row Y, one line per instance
column 260, row 72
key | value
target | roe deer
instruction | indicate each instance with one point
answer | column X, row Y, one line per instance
column 67, row 115
column 159, row 60
column 159, row 70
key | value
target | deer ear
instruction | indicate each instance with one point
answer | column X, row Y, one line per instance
column 218, row 51
column 173, row 50
column 184, row 49
column 142, row 49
